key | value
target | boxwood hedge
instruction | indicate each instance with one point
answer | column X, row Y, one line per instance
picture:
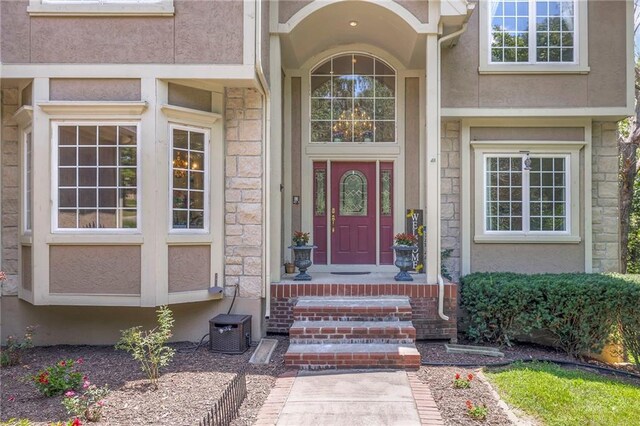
column 581, row 311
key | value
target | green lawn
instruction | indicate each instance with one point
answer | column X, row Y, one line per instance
column 558, row 396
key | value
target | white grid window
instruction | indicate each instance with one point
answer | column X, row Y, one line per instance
column 353, row 99
column 530, row 31
column 189, row 171
column 28, row 180
column 548, row 194
column 96, row 176
column 526, row 193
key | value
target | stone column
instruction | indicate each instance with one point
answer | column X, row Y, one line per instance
column 9, row 197
column 450, row 195
column 244, row 215
column 605, row 198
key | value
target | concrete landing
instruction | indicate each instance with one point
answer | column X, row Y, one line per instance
column 349, row 398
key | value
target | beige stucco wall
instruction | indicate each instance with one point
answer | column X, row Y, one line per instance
column 199, row 32
column 412, row 143
column 527, row 133
column 94, row 269
column 96, row 89
column 528, row 258
column 296, row 152
column 603, row 86
column 26, row 264
column 189, row 97
column 94, row 325
column 265, row 49
column 189, row 268
column 288, row 8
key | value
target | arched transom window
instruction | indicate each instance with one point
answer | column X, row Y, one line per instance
column 353, row 99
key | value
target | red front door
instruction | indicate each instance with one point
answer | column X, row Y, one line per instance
column 353, row 213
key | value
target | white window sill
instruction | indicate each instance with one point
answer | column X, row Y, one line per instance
column 527, row 239
column 161, row 8
column 533, row 69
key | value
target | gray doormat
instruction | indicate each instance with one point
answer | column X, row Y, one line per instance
column 263, row 352
column 350, row 273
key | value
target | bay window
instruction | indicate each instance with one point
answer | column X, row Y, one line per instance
column 96, row 176
column 189, row 183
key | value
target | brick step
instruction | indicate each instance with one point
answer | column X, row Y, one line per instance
column 357, row 355
column 352, row 332
column 352, row 309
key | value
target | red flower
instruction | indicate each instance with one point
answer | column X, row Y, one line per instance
column 79, row 361
column 457, row 376
column 62, row 363
column 44, row 378
column 76, row 422
column 469, row 405
column 470, row 377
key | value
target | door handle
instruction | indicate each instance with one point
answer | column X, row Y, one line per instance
column 333, row 220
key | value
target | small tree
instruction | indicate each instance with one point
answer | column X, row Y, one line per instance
column 149, row 347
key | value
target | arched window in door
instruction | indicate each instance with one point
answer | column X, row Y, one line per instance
column 353, row 194
column 353, row 99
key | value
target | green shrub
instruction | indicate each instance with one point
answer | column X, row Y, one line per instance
column 58, row 378
column 149, row 347
column 580, row 310
column 630, row 320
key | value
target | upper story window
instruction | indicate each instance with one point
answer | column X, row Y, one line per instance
column 353, row 99
column 96, row 176
column 533, row 31
column 533, row 36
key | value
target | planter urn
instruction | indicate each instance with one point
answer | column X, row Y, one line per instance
column 404, row 261
column 302, row 260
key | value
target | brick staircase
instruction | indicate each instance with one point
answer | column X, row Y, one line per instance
column 352, row 332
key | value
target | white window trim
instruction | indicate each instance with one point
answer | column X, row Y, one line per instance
column 101, row 8
column 25, row 182
column 207, row 187
column 513, row 148
column 54, row 179
column 580, row 66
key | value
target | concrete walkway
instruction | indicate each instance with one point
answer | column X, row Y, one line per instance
column 349, row 398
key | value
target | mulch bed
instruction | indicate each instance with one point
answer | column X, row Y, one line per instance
column 188, row 387
column 195, row 379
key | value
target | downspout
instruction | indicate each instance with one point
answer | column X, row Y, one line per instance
column 438, row 132
column 266, row 158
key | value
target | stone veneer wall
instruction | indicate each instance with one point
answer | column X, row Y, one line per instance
column 605, row 198
column 243, row 192
column 9, row 196
column 450, row 195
